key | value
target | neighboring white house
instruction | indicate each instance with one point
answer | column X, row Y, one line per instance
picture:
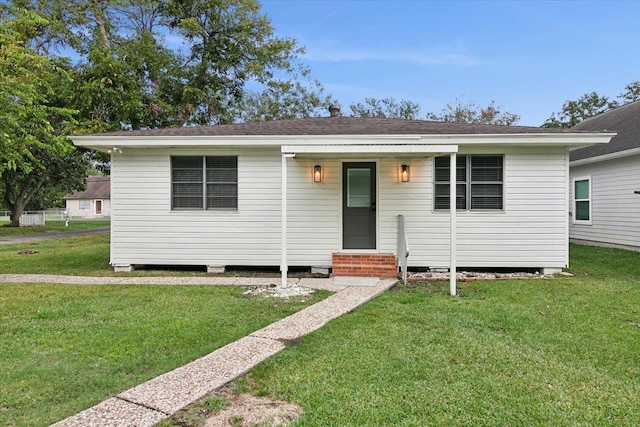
column 328, row 191
column 94, row 202
column 605, row 192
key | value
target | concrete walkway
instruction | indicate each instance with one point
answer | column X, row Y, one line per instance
column 158, row 398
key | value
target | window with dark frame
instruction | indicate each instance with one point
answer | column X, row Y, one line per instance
column 479, row 182
column 204, row 182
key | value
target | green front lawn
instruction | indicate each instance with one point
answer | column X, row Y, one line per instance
column 65, row 348
column 531, row 352
column 78, row 256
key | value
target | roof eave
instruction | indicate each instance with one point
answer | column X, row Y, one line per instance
column 109, row 142
column 604, row 157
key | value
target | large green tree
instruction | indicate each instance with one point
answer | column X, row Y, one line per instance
column 136, row 64
column 34, row 151
column 224, row 64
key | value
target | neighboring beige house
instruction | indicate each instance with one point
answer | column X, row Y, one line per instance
column 605, row 190
column 327, row 192
column 94, row 202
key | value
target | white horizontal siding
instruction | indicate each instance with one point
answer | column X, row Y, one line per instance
column 530, row 232
column 146, row 231
column 615, row 216
column 313, row 213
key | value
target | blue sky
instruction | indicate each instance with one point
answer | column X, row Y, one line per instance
column 528, row 56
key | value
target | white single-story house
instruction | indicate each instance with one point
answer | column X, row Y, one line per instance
column 605, row 191
column 94, row 202
column 328, row 192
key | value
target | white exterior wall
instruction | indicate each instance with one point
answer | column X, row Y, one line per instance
column 144, row 229
column 615, row 209
column 73, row 208
column 530, row 232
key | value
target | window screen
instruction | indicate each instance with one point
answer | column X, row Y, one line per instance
column 479, row 182
column 199, row 182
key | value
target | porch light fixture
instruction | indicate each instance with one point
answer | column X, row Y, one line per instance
column 317, row 173
column 404, row 173
column 115, row 150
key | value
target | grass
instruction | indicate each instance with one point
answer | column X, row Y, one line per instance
column 529, row 352
column 79, row 256
column 89, row 256
column 65, row 348
column 525, row 352
column 51, row 226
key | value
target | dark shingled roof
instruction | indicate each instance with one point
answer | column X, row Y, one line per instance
column 98, row 187
column 338, row 126
column 624, row 120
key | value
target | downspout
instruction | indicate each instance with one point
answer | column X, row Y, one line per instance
column 452, row 224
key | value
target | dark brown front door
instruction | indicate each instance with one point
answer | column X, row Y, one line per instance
column 98, row 207
column 359, row 205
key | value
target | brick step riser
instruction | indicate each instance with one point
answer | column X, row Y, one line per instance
column 365, row 265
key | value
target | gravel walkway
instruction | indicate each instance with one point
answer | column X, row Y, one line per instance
column 150, row 402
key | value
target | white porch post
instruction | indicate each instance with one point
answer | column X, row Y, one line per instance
column 283, row 263
column 452, row 223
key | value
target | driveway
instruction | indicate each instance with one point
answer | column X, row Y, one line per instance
column 11, row 240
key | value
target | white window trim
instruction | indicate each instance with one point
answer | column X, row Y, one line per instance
column 88, row 205
column 573, row 201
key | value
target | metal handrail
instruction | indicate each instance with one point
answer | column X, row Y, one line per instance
column 403, row 248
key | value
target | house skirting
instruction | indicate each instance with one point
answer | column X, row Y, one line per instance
column 364, row 265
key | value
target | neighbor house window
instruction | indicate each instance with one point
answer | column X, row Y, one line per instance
column 582, row 200
column 204, row 182
column 84, row 205
column 479, row 182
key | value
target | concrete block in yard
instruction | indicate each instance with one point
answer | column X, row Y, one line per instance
column 122, row 268
column 320, row 270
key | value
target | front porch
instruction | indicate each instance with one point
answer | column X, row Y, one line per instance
column 367, row 187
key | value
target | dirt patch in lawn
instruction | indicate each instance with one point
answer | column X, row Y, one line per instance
column 247, row 410
column 226, row 408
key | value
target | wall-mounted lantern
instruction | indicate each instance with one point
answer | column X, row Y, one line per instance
column 404, row 173
column 317, row 173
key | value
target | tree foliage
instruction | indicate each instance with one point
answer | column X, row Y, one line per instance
column 589, row 105
column 471, row 112
column 386, row 108
column 136, row 65
column 573, row 112
column 223, row 64
column 34, row 118
column 631, row 92
column 284, row 100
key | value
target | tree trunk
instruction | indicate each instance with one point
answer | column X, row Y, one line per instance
column 98, row 14
column 16, row 212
